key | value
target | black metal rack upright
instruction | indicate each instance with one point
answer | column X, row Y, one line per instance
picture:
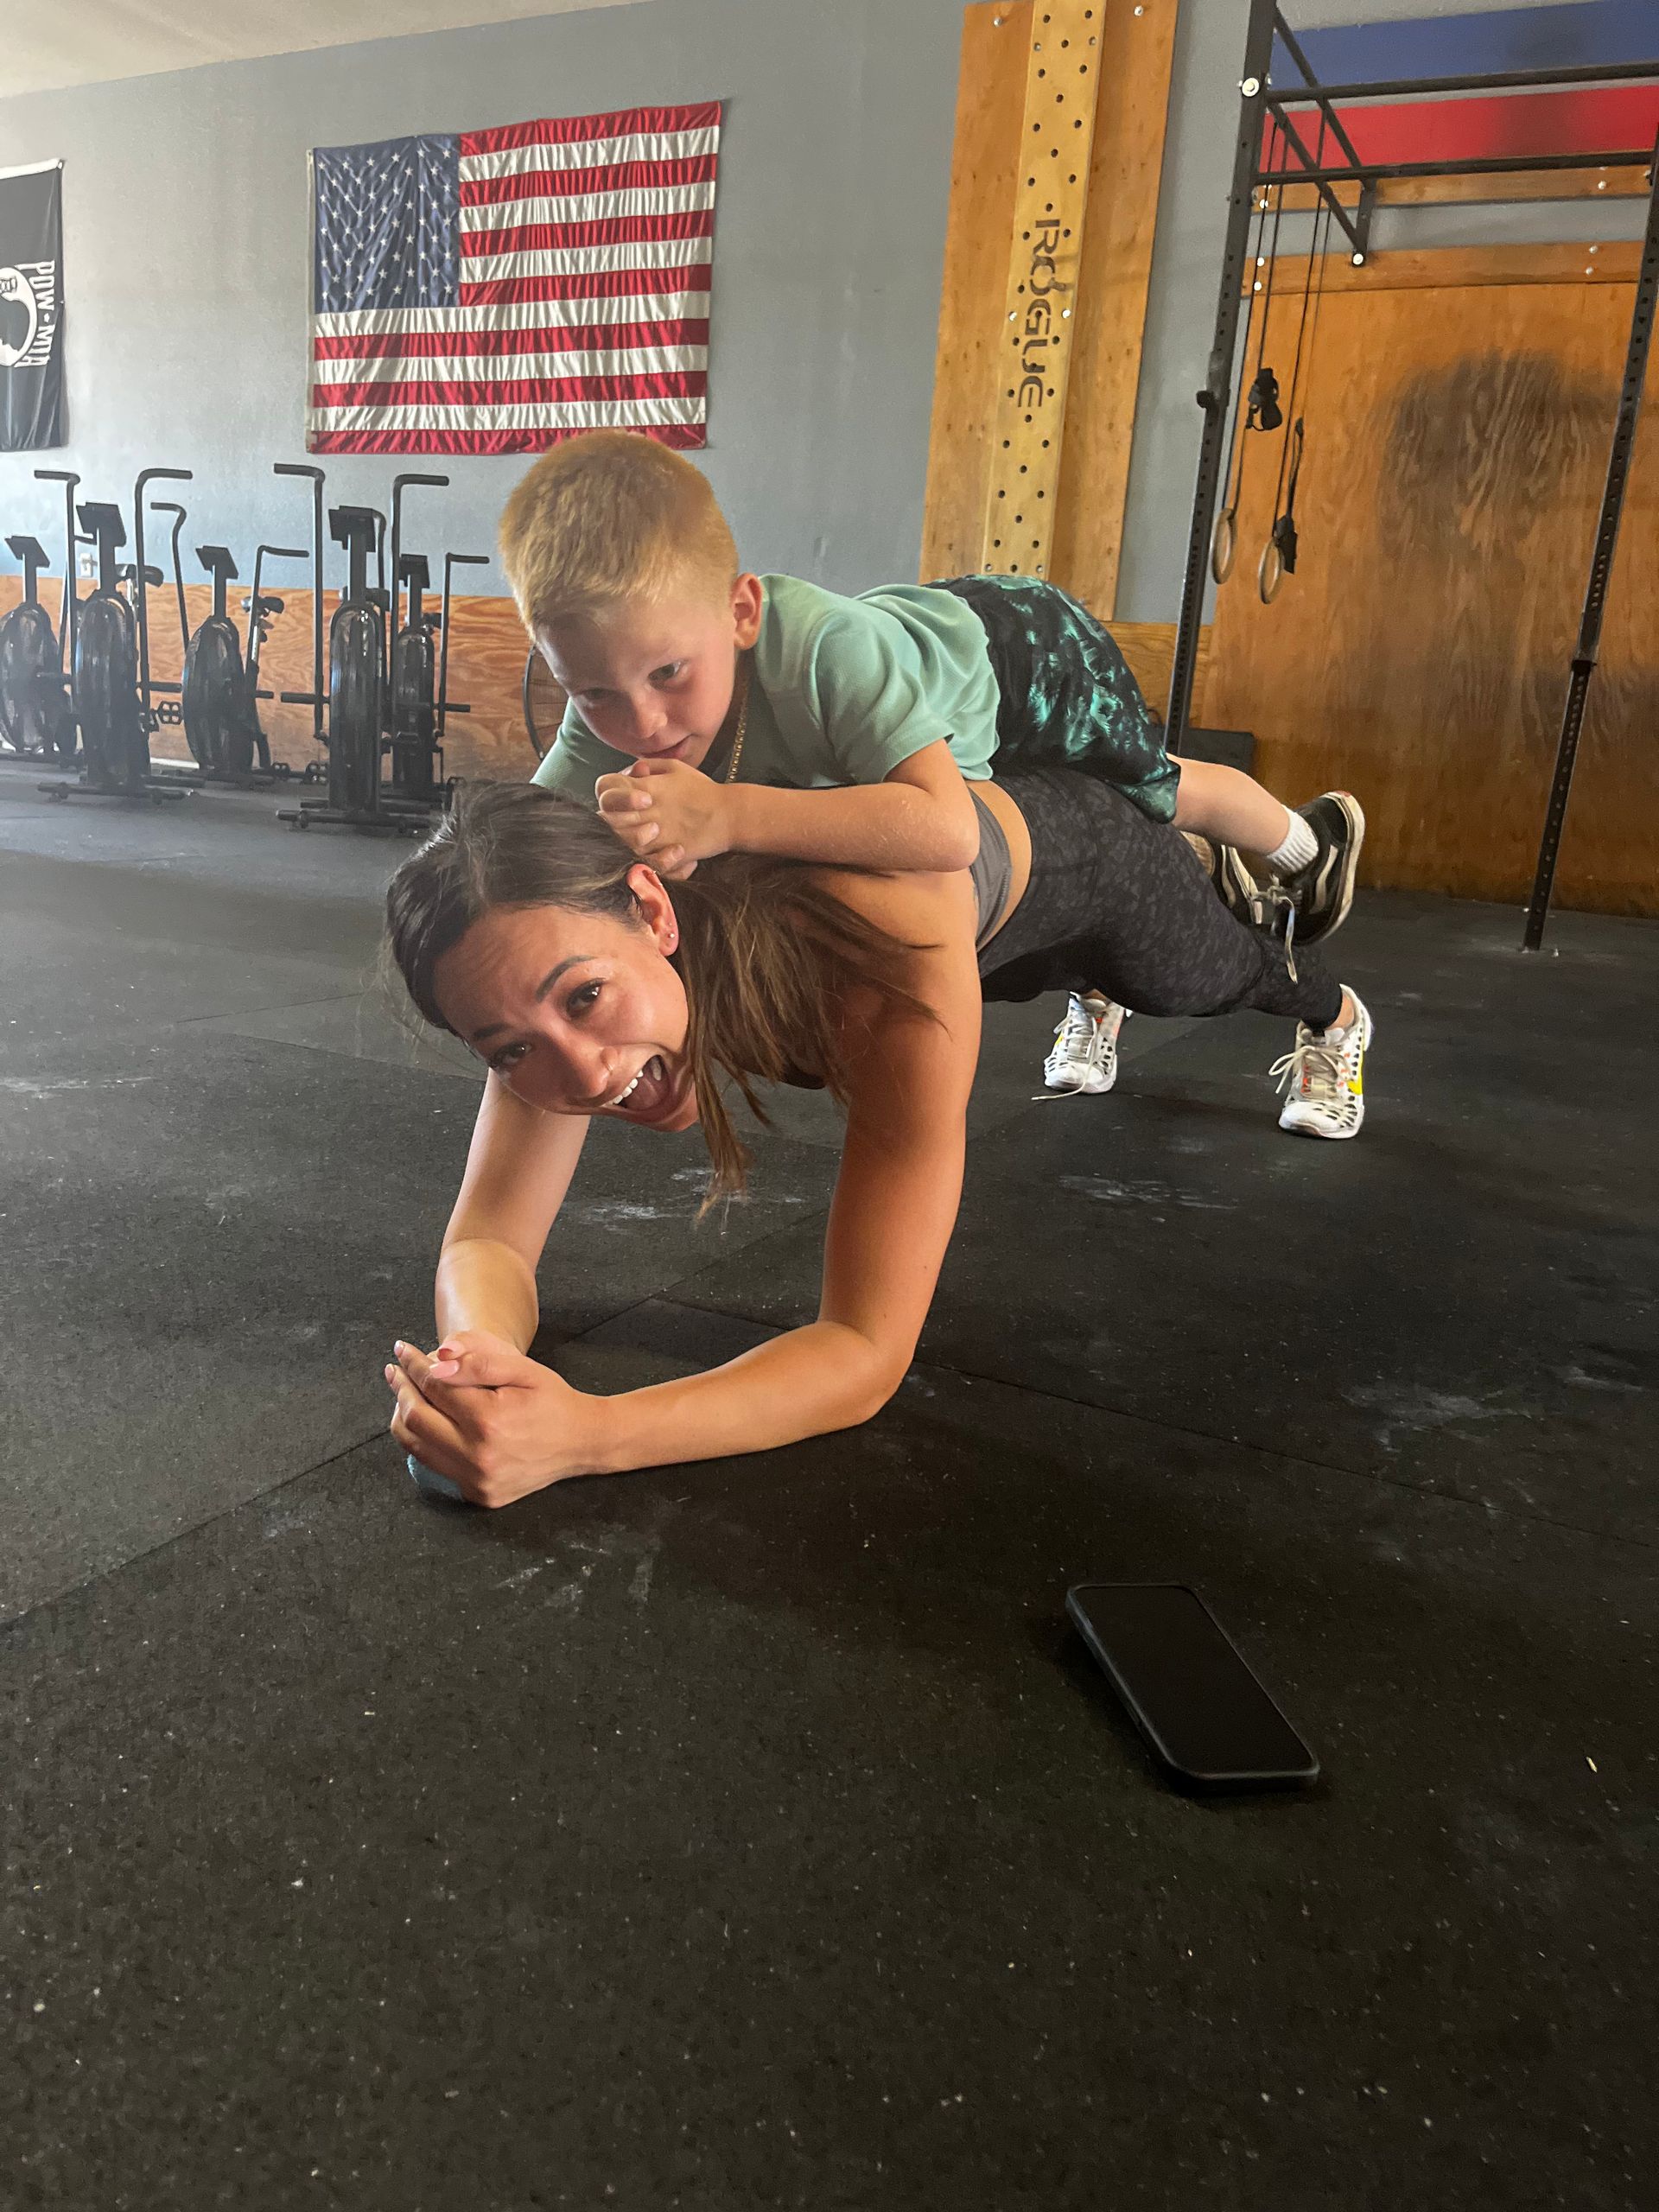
column 1259, row 100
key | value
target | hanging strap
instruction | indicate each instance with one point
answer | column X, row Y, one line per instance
column 1246, row 412
column 1279, row 555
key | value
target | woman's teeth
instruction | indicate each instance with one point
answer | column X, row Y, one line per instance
column 652, row 1067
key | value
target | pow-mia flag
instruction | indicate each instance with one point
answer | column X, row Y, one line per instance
column 31, row 308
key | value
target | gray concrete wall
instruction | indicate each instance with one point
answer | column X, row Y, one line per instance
column 187, row 255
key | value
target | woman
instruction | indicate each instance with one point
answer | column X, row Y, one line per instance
column 524, row 927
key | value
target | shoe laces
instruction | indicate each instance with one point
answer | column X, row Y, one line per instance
column 1082, row 1033
column 1078, row 1035
column 1313, row 1069
column 1275, row 909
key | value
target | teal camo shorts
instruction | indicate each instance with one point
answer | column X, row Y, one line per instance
column 1067, row 698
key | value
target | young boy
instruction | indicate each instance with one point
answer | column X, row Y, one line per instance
column 712, row 710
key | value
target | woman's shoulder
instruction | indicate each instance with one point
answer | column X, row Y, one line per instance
column 902, row 903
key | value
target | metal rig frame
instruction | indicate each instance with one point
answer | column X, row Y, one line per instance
column 1258, row 99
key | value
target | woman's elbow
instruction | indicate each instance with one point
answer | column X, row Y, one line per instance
column 874, row 1383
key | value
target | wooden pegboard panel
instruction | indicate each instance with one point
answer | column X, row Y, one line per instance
column 1051, row 199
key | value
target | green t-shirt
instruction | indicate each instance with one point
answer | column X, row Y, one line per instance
column 842, row 691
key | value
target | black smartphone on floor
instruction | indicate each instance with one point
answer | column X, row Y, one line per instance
column 1186, row 1687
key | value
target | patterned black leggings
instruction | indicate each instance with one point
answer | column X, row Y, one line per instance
column 1120, row 904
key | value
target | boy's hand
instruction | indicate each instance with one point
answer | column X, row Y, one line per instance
column 667, row 814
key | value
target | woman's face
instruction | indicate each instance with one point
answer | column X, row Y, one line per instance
column 577, row 1013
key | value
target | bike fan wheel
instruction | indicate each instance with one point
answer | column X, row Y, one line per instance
column 356, row 706
column 214, row 701
column 30, row 683
column 106, row 695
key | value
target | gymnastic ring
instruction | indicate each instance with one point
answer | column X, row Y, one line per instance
column 1224, row 547
column 1270, row 572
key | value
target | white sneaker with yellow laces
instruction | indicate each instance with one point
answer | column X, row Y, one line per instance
column 1324, row 1079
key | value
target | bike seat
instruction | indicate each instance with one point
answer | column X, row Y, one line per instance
column 432, row 623
column 128, row 570
column 267, row 605
column 376, row 596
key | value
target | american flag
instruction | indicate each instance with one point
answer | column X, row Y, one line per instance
column 493, row 291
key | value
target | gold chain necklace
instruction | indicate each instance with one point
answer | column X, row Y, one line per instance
column 742, row 725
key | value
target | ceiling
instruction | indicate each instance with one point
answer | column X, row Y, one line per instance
column 45, row 48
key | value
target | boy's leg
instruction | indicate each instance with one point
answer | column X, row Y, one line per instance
column 1313, row 849
column 1233, row 808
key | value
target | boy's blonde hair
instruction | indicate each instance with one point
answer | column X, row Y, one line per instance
column 607, row 517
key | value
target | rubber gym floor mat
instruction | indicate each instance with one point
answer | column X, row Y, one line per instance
column 757, row 1835
column 1462, row 1298
column 211, row 1242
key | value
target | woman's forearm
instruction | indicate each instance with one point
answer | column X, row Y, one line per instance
column 484, row 1284
column 808, row 1383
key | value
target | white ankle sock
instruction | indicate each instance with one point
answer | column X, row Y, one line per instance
column 1298, row 848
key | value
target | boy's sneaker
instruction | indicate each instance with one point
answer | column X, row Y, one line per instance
column 1324, row 1078
column 1235, row 886
column 1085, row 1058
column 1324, row 889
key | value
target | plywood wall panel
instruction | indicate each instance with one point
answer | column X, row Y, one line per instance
column 1457, row 442
column 990, row 105
column 1137, row 49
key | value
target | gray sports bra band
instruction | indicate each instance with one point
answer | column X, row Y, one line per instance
column 993, row 872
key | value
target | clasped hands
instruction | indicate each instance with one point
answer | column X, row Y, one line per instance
column 668, row 815
column 494, row 1420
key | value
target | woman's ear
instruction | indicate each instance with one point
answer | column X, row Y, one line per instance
column 656, row 907
column 749, row 599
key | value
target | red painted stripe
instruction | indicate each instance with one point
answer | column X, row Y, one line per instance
column 570, row 130
column 611, row 176
column 1601, row 119
column 543, row 338
column 599, row 284
column 611, row 230
column 516, row 391
column 684, row 437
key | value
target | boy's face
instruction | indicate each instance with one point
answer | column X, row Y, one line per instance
column 654, row 677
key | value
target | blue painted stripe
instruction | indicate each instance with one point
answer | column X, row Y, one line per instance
column 1570, row 34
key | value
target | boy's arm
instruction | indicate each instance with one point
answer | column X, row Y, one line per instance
column 921, row 816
